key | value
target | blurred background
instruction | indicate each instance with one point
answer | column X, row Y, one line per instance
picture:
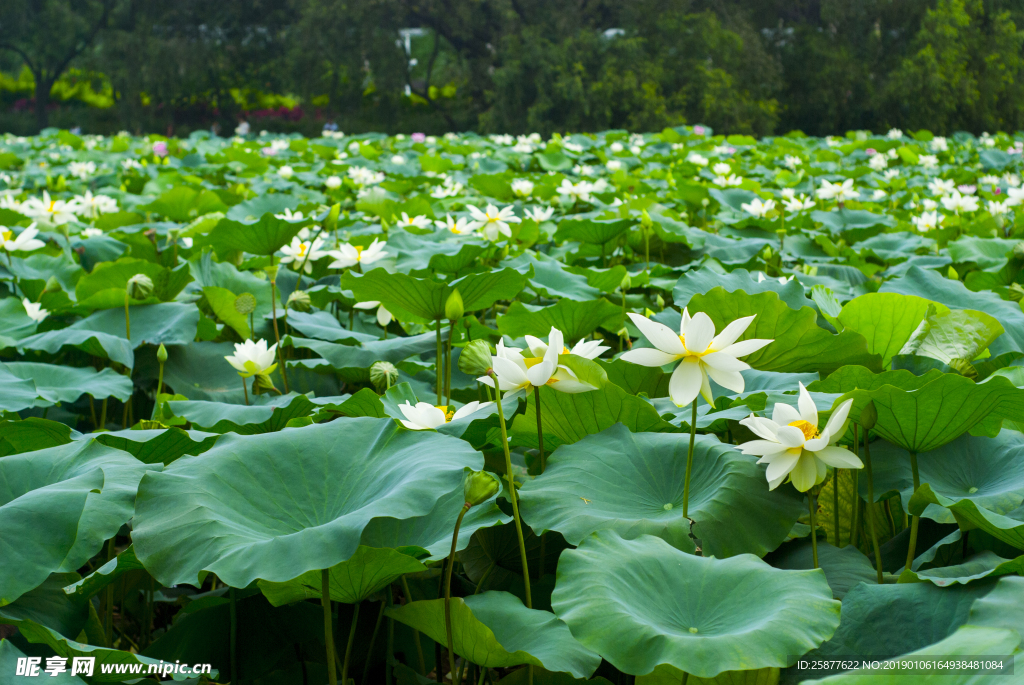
column 511, row 66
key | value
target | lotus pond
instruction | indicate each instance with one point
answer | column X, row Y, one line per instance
column 611, row 408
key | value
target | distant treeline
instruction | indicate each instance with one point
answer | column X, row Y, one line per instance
column 512, row 66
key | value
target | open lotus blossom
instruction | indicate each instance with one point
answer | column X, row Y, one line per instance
column 253, row 358
column 349, row 255
column 927, row 221
column 92, row 206
column 25, row 241
column 56, row 212
column 798, row 203
column 407, row 221
column 34, row 310
column 301, row 254
column 700, row 353
column 383, row 315
column 289, row 215
column 539, row 214
column 588, row 349
column 425, row 416
column 757, row 208
column 793, row 447
column 493, row 222
column 956, row 202
column 522, row 187
column 519, row 375
column 840, row 192
column 580, row 191
column 457, row 225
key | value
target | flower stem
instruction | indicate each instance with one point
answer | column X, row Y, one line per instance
column 835, row 502
column 245, row 390
column 160, row 387
column 373, row 641
column 814, row 527
column 854, row 518
column 127, row 319
column 348, row 645
column 870, row 511
column 914, row 520
column 415, row 633
column 448, row 595
column 540, row 431
column 448, row 364
column 277, row 336
column 512, row 493
column 325, row 600
column 440, row 365
column 689, row 461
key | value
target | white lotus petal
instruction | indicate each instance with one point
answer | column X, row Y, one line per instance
column 685, row 384
column 660, row 335
column 648, row 356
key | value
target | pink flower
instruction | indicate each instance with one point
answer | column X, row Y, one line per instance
column 160, row 148
column 871, row 152
column 698, row 130
column 419, row 137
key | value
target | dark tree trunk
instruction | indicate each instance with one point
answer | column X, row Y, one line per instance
column 43, row 87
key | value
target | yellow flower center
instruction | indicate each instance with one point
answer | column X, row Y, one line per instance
column 809, row 430
column 302, row 249
column 448, row 413
column 52, row 203
column 6, row 235
column 532, row 361
column 689, row 352
column 359, row 252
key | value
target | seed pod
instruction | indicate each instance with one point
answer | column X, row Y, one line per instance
column 383, row 375
column 475, row 359
column 299, row 301
column 868, row 416
column 245, row 304
column 140, row 286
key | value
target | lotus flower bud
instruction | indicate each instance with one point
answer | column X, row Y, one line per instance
column 52, row 285
column 868, row 416
column 383, row 375
column 645, row 220
column 161, row 353
column 1018, row 250
column 1016, row 292
column 475, row 359
column 660, row 301
column 245, row 304
column 261, row 384
column 479, row 487
column 299, row 301
column 453, row 308
column 331, row 222
column 626, row 283
column 140, row 286
column 271, row 272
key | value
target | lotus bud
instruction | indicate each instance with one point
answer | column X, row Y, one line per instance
column 140, row 286
column 479, row 487
column 261, row 384
column 383, row 375
column 868, row 416
column 626, row 283
column 53, row 285
column 645, row 220
column 161, row 353
column 1016, row 292
column 245, row 304
column 331, row 222
column 1018, row 250
column 453, row 308
column 475, row 359
column 660, row 301
column 271, row 272
column 299, row 301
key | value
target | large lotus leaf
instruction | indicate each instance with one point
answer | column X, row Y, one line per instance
column 495, row 630
column 170, row 323
column 844, row 567
column 32, row 434
column 1009, row 527
column 594, row 231
column 700, row 281
column 576, row 320
column 670, row 675
column 551, row 278
column 632, row 483
column 67, row 383
column 263, row 237
column 80, row 494
column 84, row 588
column 955, row 335
column 17, row 324
column 158, row 446
column 69, row 649
column 11, row 655
column 986, row 564
column 1001, row 608
column 97, row 344
column 842, row 220
column 267, row 416
column 799, row 343
column 199, row 372
column 50, row 606
column 105, row 286
column 367, row 572
column 324, row 326
column 707, row 616
column 353, row 362
column 886, row 320
column 636, row 379
column 246, row 513
column 19, row 393
column 424, row 299
column 931, row 286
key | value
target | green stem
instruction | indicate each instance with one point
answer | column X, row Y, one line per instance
column 483, row 578
column 647, row 250
column 835, row 502
column 348, row 645
column 689, row 461
column 814, row 527
column 540, row 431
column 513, row 495
column 448, row 364
column 127, row 319
column 870, row 511
column 277, row 335
column 440, row 365
column 108, row 604
column 246, row 391
column 415, row 633
column 854, row 513
column 914, row 520
column 373, row 640
column 234, row 636
column 325, row 600
column 389, row 654
column 103, row 414
column 159, row 389
column 448, row 596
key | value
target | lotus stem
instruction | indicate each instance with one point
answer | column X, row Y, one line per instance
column 540, row 431
column 448, row 364
column 689, row 461
column 870, row 511
column 835, row 502
column 440, row 365
column 373, row 640
column 325, row 600
column 245, row 390
column 512, row 492
column 415, row 633
column 234, row 636
column 448, row 595
column 814, row 527
column 348, row 645
column 389, row 655
column 855, row 511
column 160, row 387
column 277, row 335
column 915, row 521
column 127, row 318
column 103, row 414
column 108, row 603
column 647, row 250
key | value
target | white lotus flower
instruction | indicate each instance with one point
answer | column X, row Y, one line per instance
column 289, row 215
column 722, row 169
column 55, row 211
column 296, row 253
column 939, row 144
column 927, row 221
column 82, row 170
column 333, row 182
column 350, row 255
column 878, row 162
column 928, row 161
column 588, row 349
column 286, row 171
column 92, row 206
column 539, row 214
column 941, row 186
column 792, row 161
column 798, row 204
column 24, row 242
column 420, row 221
column 518, row 375
column 758, row 209
column 579, row 191
column 458, row 225
column 840, row 192
column 522, row 187
column 792, row 446
column 728, row 181
column 996, row 208
column 894, row 133
column 700, row 353
column 492, row 222
column 253, row 358
column 34, row 310
column 384, row 317
column 91, row 232
column 955, row 202
column 425, row 416
column 697, row 159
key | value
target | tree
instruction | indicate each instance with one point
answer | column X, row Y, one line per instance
column 48, row 35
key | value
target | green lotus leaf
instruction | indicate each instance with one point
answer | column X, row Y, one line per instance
column 842, row 220
column 636, row 379
column 80, row 494
column 367, row 572
column 158, row 446
column 48, row 605
column 103, row 345
column 246, row 513
column 170, row 323
column 32, row 434
column 844, row 567
column 986, row 253
column 323, row 326
column 1009, row 527
column 352, row 362
column 265, row 236
column 551, row 278
column 451, row 258
column 10, row 655
column 56, row 383
column 222, row 301
column 593, row 231
column 632, row 483
column 106, row 574
column 19, row 393
column 886, row 320
column 199, row 372
column 495, row 630
column 1001, row 608
column 985, row 564
column 104, row 288
column 17, row 324
column 708, row 615
column 700, row 281
column 209, row 273
column 576, row 320
column 266, row 416
column 670, row 675
column 799, row 343
column 956, row 335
